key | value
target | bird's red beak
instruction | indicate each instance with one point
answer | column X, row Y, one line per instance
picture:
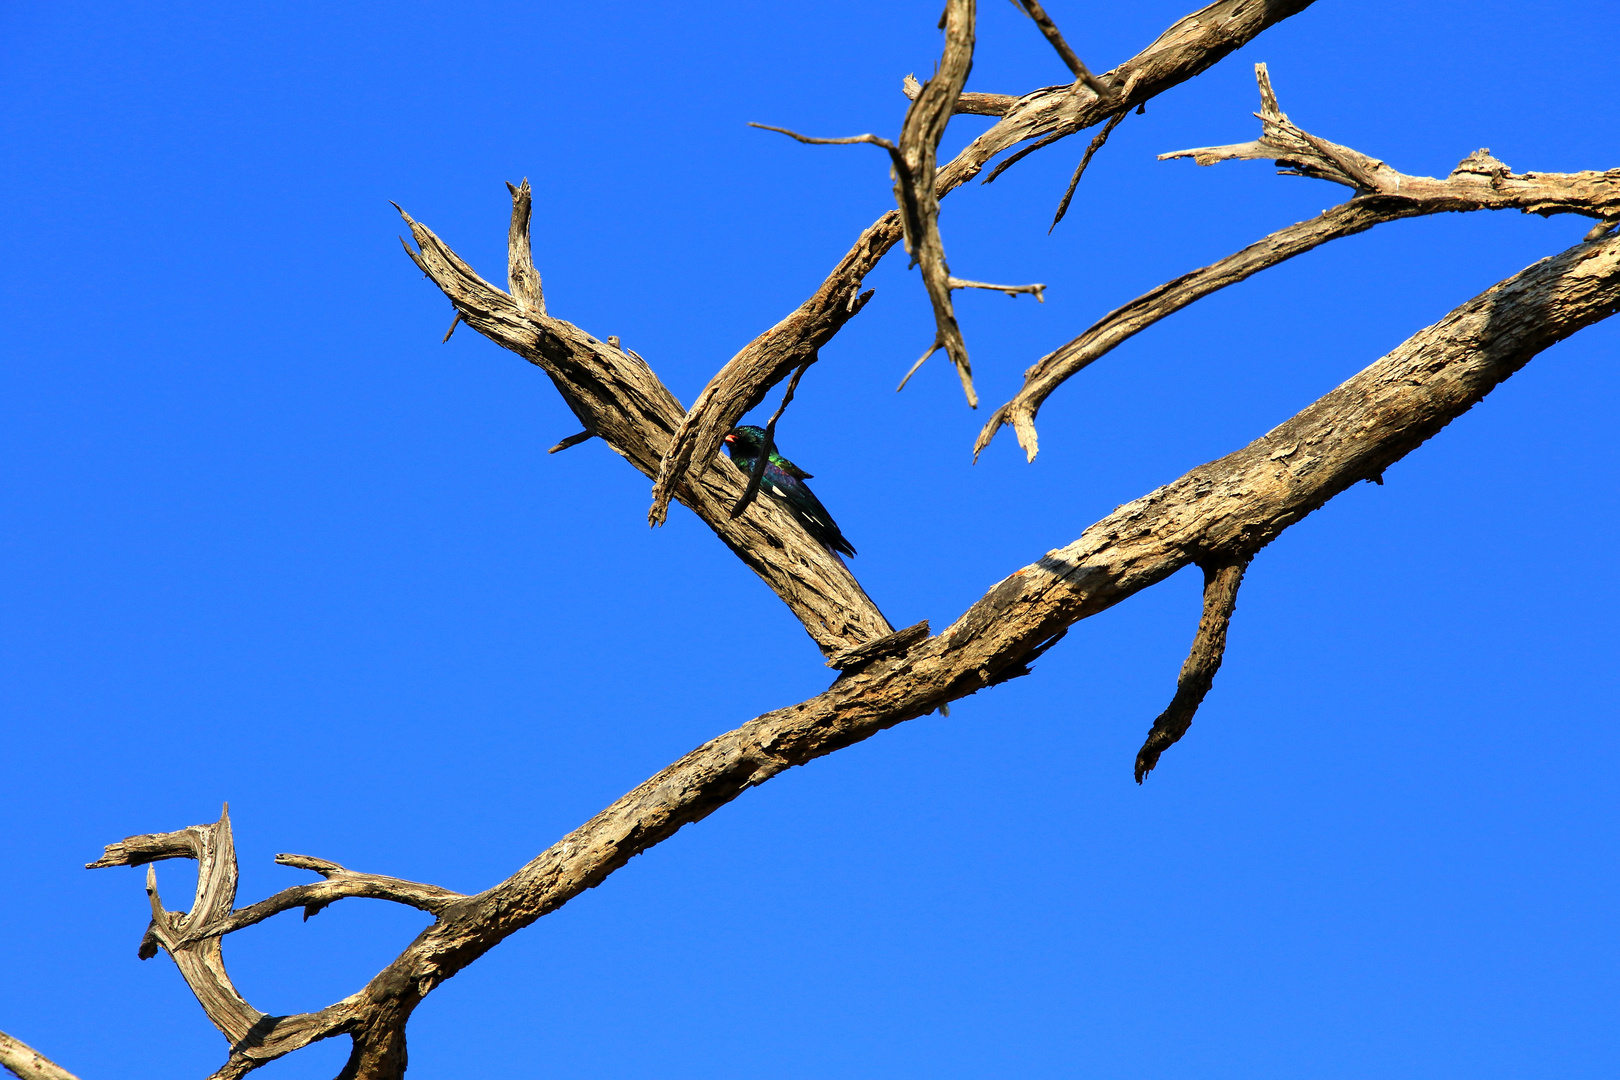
column 731, row 438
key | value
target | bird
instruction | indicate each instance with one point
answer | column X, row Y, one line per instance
column 786, row 481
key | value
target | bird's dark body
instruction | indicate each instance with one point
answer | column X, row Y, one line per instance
column 786, row 481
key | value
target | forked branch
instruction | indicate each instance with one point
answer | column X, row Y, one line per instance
column 192, row 940
column 1479, row 182
column 1187, row 48
column 1219, row 513
column 1221, row 581
column 619, row 399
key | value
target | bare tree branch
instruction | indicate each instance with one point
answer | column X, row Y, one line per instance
column 26, row 1063
column 967, row 101
column 1097, row 142
column 1049, row 28
column 572, row 440
column 1221, row 581
column 523, row 280
column 1479, row 182
column 617, row 397
column 1186, row 49
column 914, row 184
column 1218, row 514
column 1038, row 291
column 340, row 884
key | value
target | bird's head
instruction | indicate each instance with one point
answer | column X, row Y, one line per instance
column 747, row 440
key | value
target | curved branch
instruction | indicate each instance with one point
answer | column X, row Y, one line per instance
column 340, row 884
column 1479, row 182
column 26, row 1063
column 1221, row 581
column 1225, row 510
column 1220, row 512
column 1186, row 49
column 617, row 398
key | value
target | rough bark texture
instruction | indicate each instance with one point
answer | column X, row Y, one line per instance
column 1217, row 516
column 1221, row 581
column 914, row 184
column 617, row 398
column 1046, row 115
column 1479, row 182
column 1219, row 513
column 27, row 1063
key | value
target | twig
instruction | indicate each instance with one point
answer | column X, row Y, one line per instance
column 1038, row 291
column 758, row 471
column 848, row 140
column 572, row 440
column 1034, row 10
column 455, row 322
column 1221, row 581
column 1080, row 169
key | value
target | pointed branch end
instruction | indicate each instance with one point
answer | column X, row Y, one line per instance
column 1221, row 582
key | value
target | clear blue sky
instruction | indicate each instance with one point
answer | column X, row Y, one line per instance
column 267, row 541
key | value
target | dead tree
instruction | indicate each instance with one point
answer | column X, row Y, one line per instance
column 1218, row 516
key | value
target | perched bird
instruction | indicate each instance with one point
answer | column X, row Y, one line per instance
column 786, row 481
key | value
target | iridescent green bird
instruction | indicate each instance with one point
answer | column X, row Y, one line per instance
column 786, row 481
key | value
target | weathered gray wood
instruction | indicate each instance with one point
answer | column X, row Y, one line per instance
column 1188, row 47
column 1479, row 182
column 1220, row 513
column 617, row 398
column 1221, row 581
column 26, row 1063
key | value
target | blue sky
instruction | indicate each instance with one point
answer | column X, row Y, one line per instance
column 267, row 541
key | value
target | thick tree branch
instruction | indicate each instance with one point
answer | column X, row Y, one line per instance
column 1479, row 182
column 1186, row 49
column 1219, row 513
column 26, row 1063
column 617, row 397
column 1221, row 581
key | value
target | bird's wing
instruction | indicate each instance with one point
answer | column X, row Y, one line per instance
column 788, row 467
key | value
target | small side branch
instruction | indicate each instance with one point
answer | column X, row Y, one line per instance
column 572, row 440
column 1080, row 169
column 967, row 102
column 846, row 140
column 757, row 473
column 27, row 1063
column 1049, row 28
column 1300, row 152
column 521, row 276
column 1221, row 581
column 340, row 884
column 1038, row 291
